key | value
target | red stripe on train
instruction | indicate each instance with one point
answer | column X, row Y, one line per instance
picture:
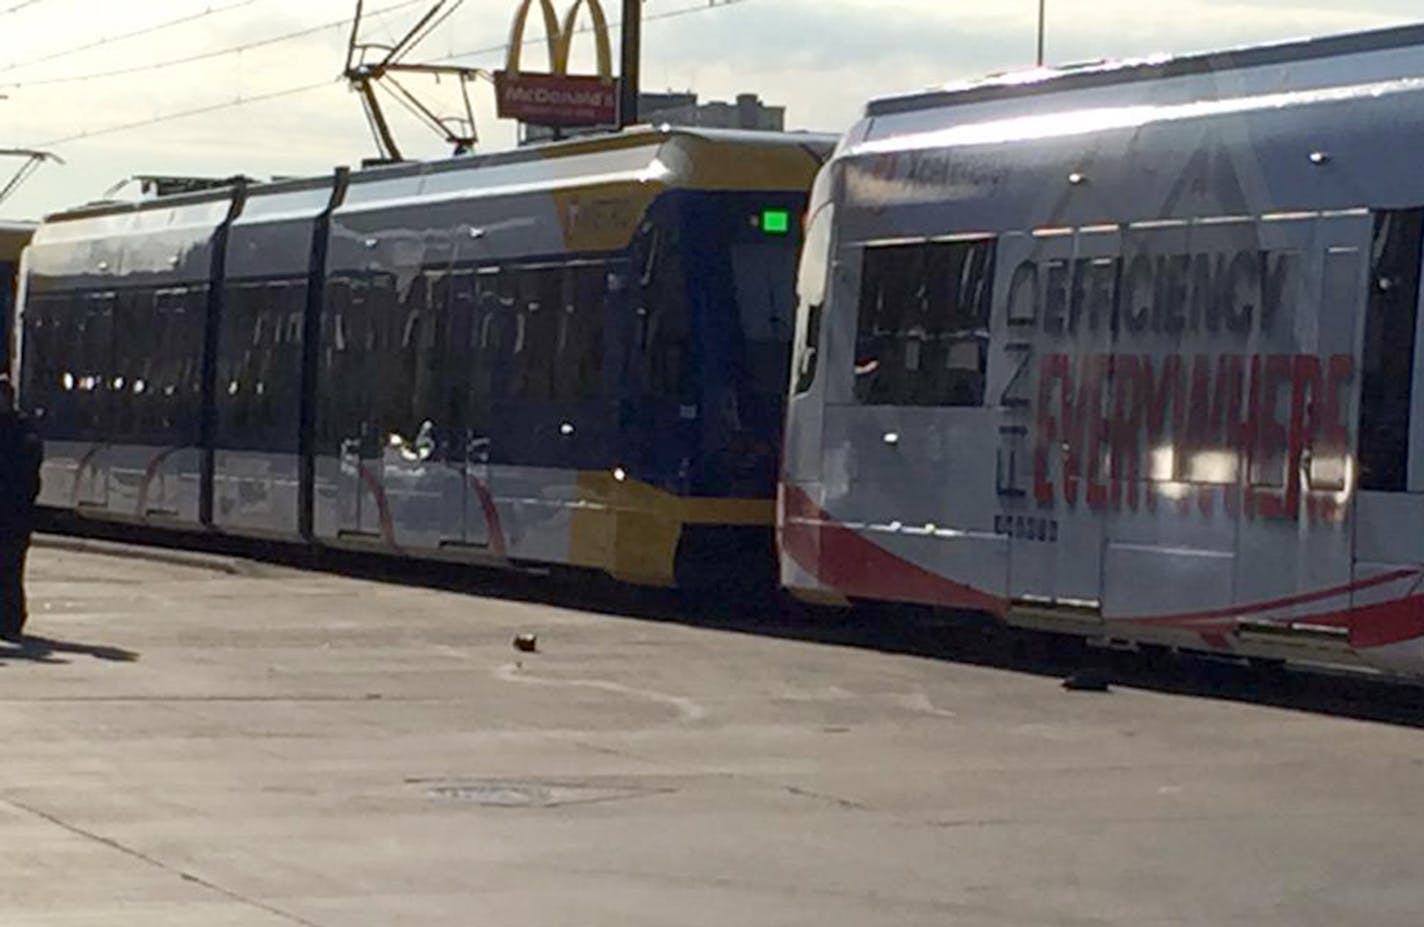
column 1378, row 625
column 842, row 559
column 854, row 566
column 1307, row 598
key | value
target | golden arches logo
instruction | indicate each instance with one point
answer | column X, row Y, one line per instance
column 560, row 36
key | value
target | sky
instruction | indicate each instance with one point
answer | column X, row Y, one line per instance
column 822, row 59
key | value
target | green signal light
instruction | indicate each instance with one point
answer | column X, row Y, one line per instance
column 776, row 221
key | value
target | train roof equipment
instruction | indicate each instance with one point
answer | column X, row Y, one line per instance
column 662, row 156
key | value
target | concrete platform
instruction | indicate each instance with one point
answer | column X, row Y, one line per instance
column 189, row 744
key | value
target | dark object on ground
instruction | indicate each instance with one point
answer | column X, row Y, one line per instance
column 1088, row 680
column 527, row 643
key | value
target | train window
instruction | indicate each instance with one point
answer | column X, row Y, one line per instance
column 259, row 366
column 664, row 340
column 493, row 305
column 238, row 338
column 422, row 373
column 348, row 364
column 452, row 305
column 46, row 381
column 135, row 353
column 579, row 368
column 924, row 317
column 1389, row 350
column 539, row 302
column 94, row 361
column 766, row 302
column 177, row 319
column 382, row 369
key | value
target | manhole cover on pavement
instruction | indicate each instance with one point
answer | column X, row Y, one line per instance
column 531, row 794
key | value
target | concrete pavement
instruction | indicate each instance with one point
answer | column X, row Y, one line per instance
column 193, row 745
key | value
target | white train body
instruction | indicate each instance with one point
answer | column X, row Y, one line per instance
column 1128, row 351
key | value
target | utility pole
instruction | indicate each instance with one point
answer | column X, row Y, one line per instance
column 632, row 61
column 1042, row 23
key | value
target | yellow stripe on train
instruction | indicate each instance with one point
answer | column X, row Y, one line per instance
column 631, row 529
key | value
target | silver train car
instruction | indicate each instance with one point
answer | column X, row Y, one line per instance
column 1127, row 351
column 571, row 355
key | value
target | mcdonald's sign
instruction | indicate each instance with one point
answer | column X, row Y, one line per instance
column 559, row 98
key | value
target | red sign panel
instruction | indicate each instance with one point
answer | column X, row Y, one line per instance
column 556, row 100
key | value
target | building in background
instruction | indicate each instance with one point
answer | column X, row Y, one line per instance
column 684, row 109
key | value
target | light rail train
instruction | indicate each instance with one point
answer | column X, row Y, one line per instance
column 572, row 355
column 1127, row 351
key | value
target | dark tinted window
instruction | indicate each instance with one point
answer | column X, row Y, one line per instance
column 50, row 345
column 923, row 334
column 258, row 390
column 765, row 278
column 93, row 362
column 348, row 366
column 539, row 302
column 444, row 349
column 155, row 387
column 663, row 348
column 578, row 369
column 118, row 366
column 1389, row 351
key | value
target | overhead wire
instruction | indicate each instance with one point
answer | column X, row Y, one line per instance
column 432, row 26
column 125, row 36
column 17, row 7
column 308, row 88
column 186, row 113
column 202, row 56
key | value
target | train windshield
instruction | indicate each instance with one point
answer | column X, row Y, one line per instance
column 762, row 273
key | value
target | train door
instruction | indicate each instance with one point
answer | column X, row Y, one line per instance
column 1295, row 527
column 1390, row 502
column 1189, row 304
column 464, row 489
column 662, row 408
column 353, row 384
column 412, row 409
column 1060, row 323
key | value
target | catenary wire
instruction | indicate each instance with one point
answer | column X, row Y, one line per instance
column 308, row 88
column 203, row 56
column 17, row 7
column 125, row 36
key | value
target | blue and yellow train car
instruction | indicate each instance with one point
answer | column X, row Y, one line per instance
column 574, row 354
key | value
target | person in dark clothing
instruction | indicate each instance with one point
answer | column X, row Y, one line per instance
column 21, row 453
